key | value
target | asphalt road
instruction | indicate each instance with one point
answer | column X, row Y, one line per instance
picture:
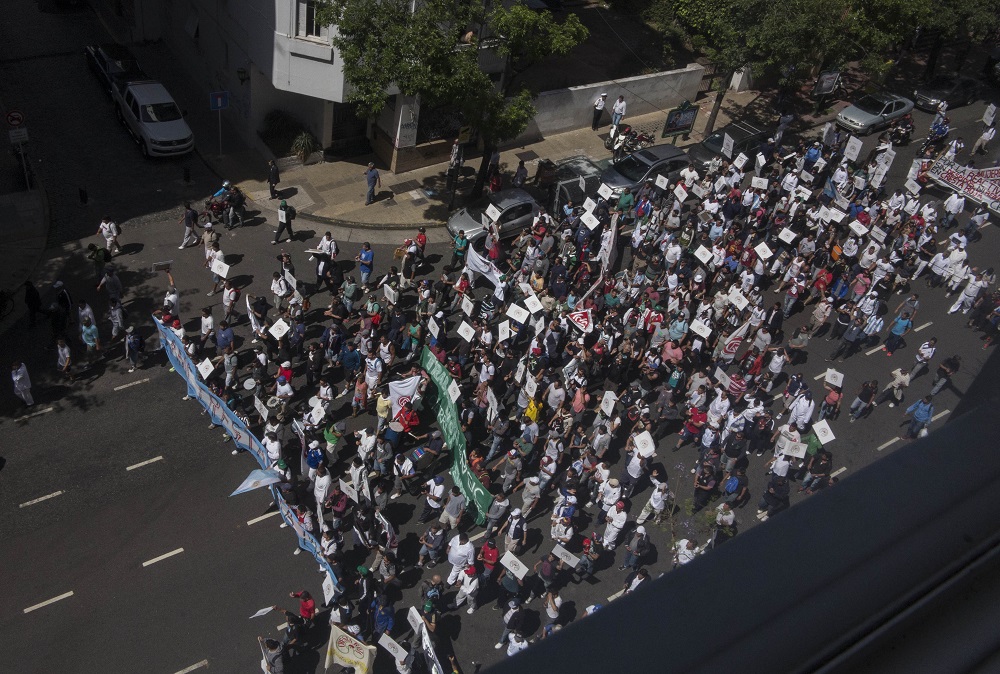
column 93, row 538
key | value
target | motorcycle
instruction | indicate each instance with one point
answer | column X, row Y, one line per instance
column 616, row 131
column 637, row 140
column 900, row 135
column 215, row 210
column 936, row 137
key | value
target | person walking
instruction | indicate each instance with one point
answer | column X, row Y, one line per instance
column 900, row 327
column 190, row 221
column 921, row 414
column 110, row 230
column 22, row 383
column 864, row 399
column 273, row 660
column 273, row 178
column 374, row 180
column 984, row 139
column 286, row 214
column 598, row 111
column 366, row 263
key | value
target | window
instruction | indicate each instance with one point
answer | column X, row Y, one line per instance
column 307, row 26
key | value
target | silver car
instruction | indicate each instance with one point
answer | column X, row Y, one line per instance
column 514, row 210
column 873, row 112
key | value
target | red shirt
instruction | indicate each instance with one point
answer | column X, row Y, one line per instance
column 696, row 421
column 421, row 241
column 490, row 556
column 307, row 607
column 408, row 419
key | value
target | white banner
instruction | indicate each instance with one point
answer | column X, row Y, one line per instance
column 346, row 651
column 403, row 391
column 477, row 264
column 981, row 185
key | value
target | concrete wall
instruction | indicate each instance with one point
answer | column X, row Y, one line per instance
column 569, row 109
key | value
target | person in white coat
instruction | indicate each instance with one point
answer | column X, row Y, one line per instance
column 953, row 205
column 22, row 383
column 800, row 412
column 616, row 520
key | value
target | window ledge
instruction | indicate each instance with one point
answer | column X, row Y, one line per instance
column 314, row 48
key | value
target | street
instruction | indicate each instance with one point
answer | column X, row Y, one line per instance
column 124, row 552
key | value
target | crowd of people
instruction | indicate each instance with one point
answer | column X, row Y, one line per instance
column 662, row 328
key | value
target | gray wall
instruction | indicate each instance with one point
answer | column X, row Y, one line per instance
column 568, row 109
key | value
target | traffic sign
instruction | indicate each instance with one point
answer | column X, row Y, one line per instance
column 218, row 100
column 15, row 118
column 18, row 136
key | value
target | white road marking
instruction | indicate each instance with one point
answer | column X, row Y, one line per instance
column 819, row 376
column 162, row 557
column 135, row 383
column 838, row 471
column 145, row 463
column 939, row 415
column 263, row 517
column 478, row 536
column 871, row 351
column 886, row 444
column 39, row 412
column 925, row 325
column 48, row 601
column 616, row 595
column 197, row 665
column 41, row 498
column 282, row 626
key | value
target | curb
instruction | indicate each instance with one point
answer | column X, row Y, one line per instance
column 350, row 224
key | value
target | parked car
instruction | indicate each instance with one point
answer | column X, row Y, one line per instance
column 516, row 210
column 958, row 90
column 108, row 61
column 747, row 138
column 150, row 114
column 873, row 112
column 638, row 167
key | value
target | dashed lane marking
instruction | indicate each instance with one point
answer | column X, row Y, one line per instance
column 262, row 517
column 478, row 536
column 135, row 383
column 154, row 560
column 940, row 414
column 282, row 626
column 837, row 472
column 41, row 498
column 65, row 595
column 197, row 665
column 145, row 463
column 616, row 595
column 871, row 351
column 925, row 325
column 38, row 413
column 886, row 444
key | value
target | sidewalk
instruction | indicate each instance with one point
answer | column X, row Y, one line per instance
column 24, row 230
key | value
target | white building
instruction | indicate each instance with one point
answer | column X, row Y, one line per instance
column 271, row 55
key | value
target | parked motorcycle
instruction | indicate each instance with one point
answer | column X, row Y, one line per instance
column 616, row 131
column 637, row 140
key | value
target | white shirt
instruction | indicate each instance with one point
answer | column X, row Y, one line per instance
column 461, row 555
column 273, row 448
column 599, row 103
column 20, row 377
column 321, row 487
column 437, row 491
column 619, row 107
column 207, row 325
column 617, row 519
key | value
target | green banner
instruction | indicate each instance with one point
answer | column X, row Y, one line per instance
column 476, row 494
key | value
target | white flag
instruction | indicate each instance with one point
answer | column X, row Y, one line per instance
column 403, row 391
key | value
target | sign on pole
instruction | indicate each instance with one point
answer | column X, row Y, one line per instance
column 217, row 102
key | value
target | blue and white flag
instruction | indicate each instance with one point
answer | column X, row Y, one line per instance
column 257, row 479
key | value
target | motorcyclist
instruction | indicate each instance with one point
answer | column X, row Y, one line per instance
column 233, row 204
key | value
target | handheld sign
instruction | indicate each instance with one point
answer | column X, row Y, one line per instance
column 503, row 331
column 468, row 306
column 758, row 183
column 763, row 252
column 662, row 182
column 741, row 161
column 644, row 444
column 567, row 557
column 518, row 313
column 466, row 331
column 608, row 403
column 605, row 191
column 589, row 205
column 514, row 565
column 493, row 212
column 533, row 303
column 590, row 220
column 279, row 329
column 205, row 368
column 220, row 268
column 823, row 431
column 853, row 148
column 727, row 145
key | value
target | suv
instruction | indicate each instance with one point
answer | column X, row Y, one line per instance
column 746, row 139
column 150, row 114
column 643, row 165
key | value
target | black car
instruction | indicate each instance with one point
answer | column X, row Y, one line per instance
column 747, row 138
column 109, row 62
column 958, row 90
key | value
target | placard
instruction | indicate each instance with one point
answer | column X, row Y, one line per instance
column 466, row 331
column 720, row 184
column 644, row 444
column 582, row 183
column 912, row 186
column 605, row 191
column 566, row 556
column 741, row 161
column 468, row 306
column 834, row 378
column 413, row 617
column 662, row 182
column 454, row 391
column 398, row 653
column 483, row 218
column 503, row 331
column 279, row 329
column 680, row 193
column 162, row 266
column 806, row 176
column 823, row 431
column 803, row 193
column 282, row 215
column 885, row 159
column 533, row 303
column 824, row 213
column 758, row 183
column 837, row 215
column 530, row 387
column 727, row 145
column 819, row 165
column 738, row 299
column 349, row 489
column 763, row 252
column 514, row 565
column 877, row 234
column 262, row 612
column 796, row 449
column 261, row 408
column 703, row 254
column 493, row 212
column 787, row 235
column 858, row 228
column 760, row 161
column 519, row 373
column 518, row 313
column 699, row 191
column 701, row 329
column 391, row 294
column 842, row 202
column 590, row 220
column 589, row 205
column 205, row 368
column 853, row 148
column 989, row 114
column 220, row 268
column 722, row 378
column 433, row 327
column 493, row 409
column 608, row 403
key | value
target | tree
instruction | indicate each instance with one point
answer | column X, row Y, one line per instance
column 432, row 50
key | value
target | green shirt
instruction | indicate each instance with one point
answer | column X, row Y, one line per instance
column 625, row 202
column 461, row 244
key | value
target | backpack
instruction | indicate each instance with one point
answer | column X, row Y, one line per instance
column 732, row 484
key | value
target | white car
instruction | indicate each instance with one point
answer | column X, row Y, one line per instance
column 150, row 114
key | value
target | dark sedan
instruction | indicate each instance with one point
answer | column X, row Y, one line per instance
column 109, row 62
column 958, row 90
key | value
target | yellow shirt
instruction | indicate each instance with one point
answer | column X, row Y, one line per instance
column 383, row 406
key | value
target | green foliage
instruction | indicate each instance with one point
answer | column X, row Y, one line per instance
column 279, row 131
column 304, row 145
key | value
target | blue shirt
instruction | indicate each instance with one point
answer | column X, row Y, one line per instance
column 223, row 338
column 921, row 411
column 367, row 257
column 901, row 325
column 351, row 360
column 372, row 176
